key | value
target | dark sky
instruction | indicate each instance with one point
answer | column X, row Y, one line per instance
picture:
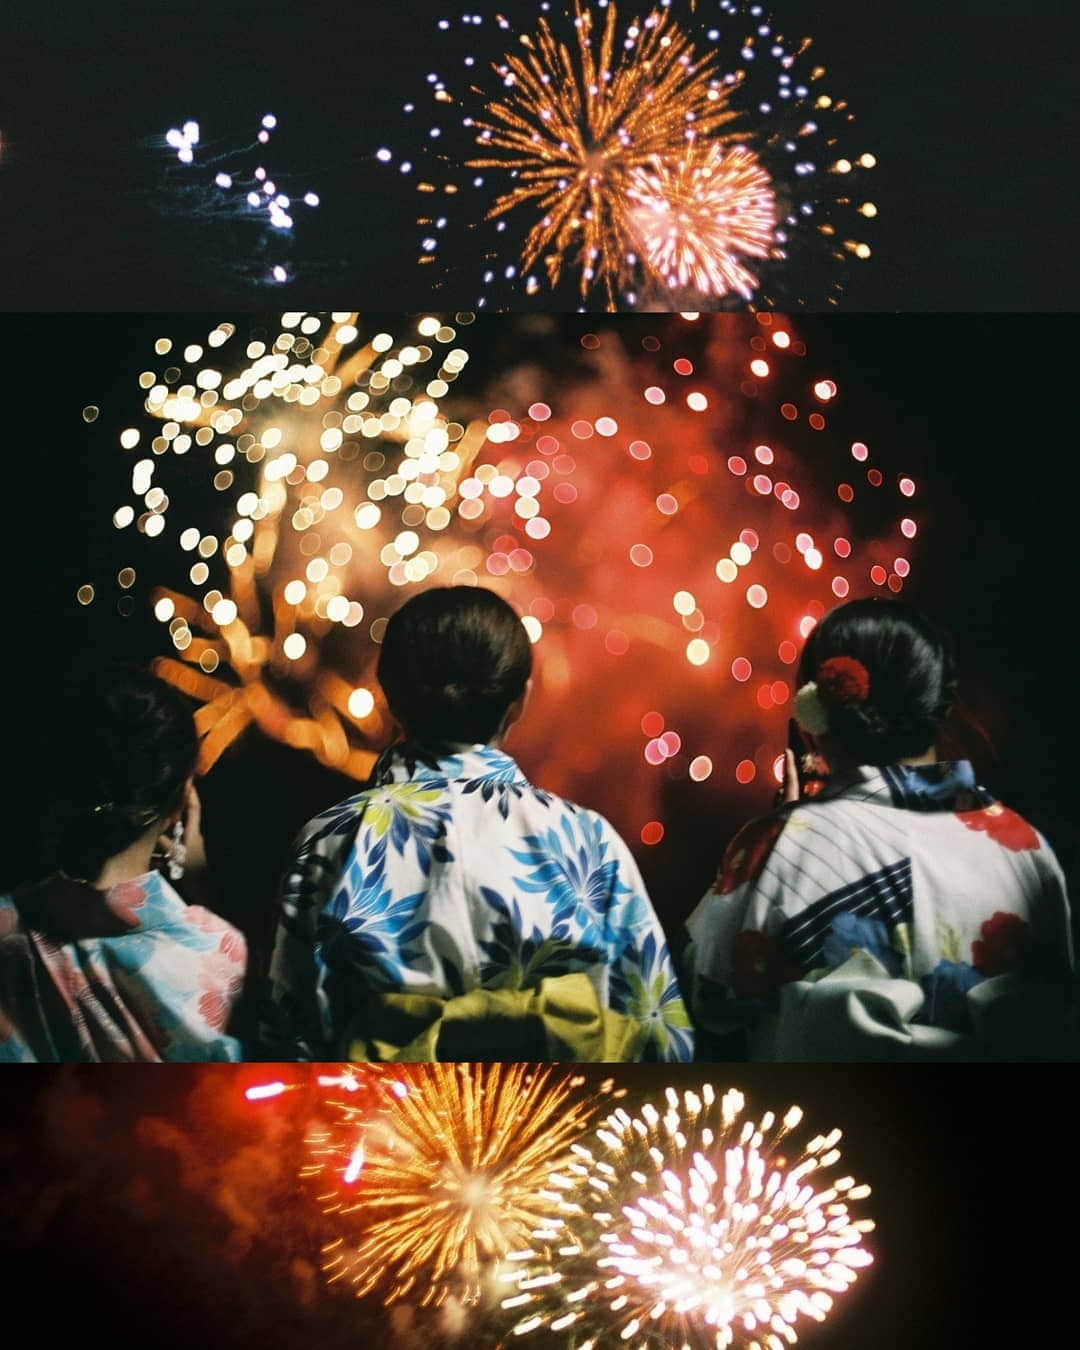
column 157, row 1203
column 969, row 107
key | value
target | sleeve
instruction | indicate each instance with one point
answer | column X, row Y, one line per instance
column 734, row 963
column 1054, row 914
column 15, row 1048
column 643, row 984
column 295, row 1022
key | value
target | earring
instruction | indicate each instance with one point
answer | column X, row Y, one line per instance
column 176, row 856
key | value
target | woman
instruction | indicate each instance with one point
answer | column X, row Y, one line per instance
column 451, row 910
column 901, row 867
column 104, row 960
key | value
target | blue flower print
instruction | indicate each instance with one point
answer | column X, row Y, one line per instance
column 643, row 987
column 573, row 866
column 850, row 933
column 520, row 960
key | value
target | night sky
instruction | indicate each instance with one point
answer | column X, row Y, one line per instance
column 968, row 106
column 143, row 1203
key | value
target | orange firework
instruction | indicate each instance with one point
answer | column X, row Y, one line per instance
column 575, row 125
column 434, row 1191
column 697, row 218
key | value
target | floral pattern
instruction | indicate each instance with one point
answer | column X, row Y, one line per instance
column 1005, row 944
column 453, row 873
column 162, row 990
column 1003, row 826
column 747, row 853
column 850, row 934
column 916, row 865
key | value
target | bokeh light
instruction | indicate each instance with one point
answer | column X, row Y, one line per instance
column 666, row 596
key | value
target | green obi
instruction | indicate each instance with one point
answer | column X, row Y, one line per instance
column 561, row 1019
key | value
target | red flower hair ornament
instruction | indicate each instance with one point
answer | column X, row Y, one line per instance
column 839, row 682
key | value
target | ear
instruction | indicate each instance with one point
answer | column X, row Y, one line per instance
column 177, row 812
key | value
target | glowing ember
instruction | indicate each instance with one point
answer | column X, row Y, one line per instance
column 245, row 188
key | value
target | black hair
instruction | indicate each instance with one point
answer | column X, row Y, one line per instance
column 912, row 678
column 127, row 744
column 453, row 660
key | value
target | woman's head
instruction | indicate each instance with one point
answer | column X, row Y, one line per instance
column 454, row 663
column 911, row 686
column 127, row 750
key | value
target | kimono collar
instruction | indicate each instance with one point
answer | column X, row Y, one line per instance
column 406, row 762
column 67, row 910
column 946, row 786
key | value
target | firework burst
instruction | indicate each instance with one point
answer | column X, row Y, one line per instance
column 575, row 126
column 691, row 1225
column 698, row 216
column 670, row 524
column 291, row 433
column 433, row 1191
column 535, row 137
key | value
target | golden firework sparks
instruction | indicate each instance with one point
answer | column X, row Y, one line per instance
column 576, row 123
column 698, row 217
column 690, row 1225
column 335, row 477
column 433, row 1192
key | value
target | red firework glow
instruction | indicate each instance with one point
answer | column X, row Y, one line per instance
column 671, row 504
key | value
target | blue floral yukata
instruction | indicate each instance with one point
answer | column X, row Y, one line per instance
column 130, row 973
column 450, row 873
column 917, row 866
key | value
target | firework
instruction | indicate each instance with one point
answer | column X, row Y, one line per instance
column 574, row 126
column 241, row 188
column 669, row 523
column 534, row 139
column 696, row 215
column 434, row 1190
column 690, row 1225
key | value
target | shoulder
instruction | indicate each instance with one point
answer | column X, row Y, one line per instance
column 1005, row 827
column 590, row 822
column 750, row 850
column 336, row 821
column 222, row 935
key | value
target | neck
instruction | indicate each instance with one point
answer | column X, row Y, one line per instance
column 927, row 757
column 135, row 861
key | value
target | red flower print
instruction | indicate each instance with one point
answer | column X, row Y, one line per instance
column 758, row 967
column 1005, row 827
column 202, row 919
column 843, row 679
column 748, row 852
column 213, row 1008
column 1005, row 943
column 125, row 899
column 233, row 946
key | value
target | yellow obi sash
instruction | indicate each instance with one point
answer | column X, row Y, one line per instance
column 561, row 1019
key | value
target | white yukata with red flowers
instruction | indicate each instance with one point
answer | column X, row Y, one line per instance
column 917, row 866
column 146, row 977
